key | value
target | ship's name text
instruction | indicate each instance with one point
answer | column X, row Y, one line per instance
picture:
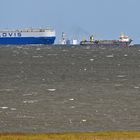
column 18, row 34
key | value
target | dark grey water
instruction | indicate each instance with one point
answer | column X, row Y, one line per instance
column 45, row 89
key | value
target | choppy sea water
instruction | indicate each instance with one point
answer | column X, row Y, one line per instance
column 80, row 89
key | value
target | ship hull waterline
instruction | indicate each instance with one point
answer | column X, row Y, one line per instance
column 27, row 40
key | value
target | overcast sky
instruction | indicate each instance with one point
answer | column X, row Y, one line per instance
column 106, row 19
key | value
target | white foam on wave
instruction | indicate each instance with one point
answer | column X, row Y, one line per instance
column 13, row 109
column 20, row 62
column 85, row 69
column 64, row 50
column 38, row 49
column 7, row 89
column 71, row 99
column 72, row 107
column 121, row 76
column 96, row 111
column 88, row 47
column 84, row 120
column 37, row 56
column 30, row 101
column 70, row 121
column 52, row 54
column 29, row 94
column 25, row 117
column 19, row 47
column 91, row 60
column 52, row 89
column 43, row 79
column 118, row 85
column 4, row 107
column 125, row 55
column 110, row 56
column 16, row 52
column 136, row 87
column 103, row 48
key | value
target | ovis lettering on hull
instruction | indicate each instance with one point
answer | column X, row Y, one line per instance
column 10, row 34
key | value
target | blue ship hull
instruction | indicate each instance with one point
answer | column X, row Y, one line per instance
column 26, row 40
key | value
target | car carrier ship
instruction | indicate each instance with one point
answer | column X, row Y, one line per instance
column 27, row 36
column 124, row 41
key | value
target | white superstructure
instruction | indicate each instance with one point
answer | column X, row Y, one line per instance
column 28, row 33
column 124, row 38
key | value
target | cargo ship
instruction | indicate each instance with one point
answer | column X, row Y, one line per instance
column 123, row 41
column 27, row 36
